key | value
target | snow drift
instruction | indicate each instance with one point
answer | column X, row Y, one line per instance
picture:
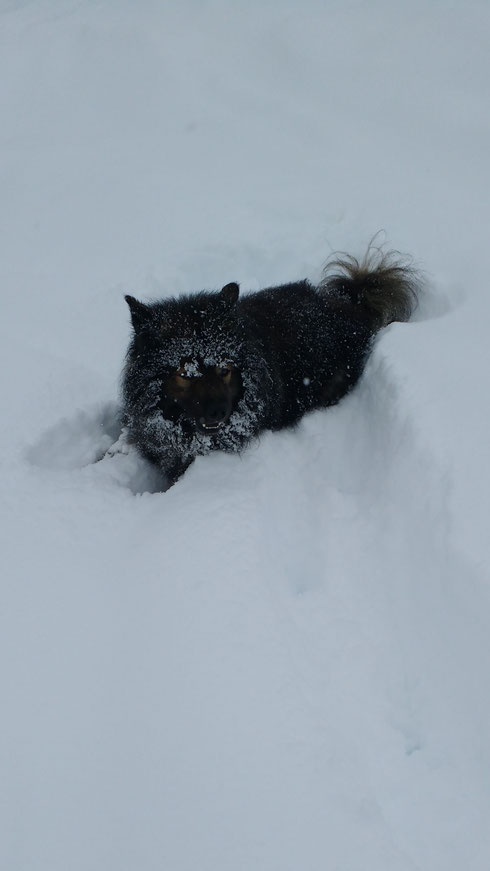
column 281, row 662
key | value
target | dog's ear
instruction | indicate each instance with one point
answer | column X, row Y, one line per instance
column 229, row 293
column 140, row 313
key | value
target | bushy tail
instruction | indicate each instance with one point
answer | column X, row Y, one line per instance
column 383, row 282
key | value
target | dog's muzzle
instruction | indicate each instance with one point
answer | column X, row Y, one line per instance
column 208, row 426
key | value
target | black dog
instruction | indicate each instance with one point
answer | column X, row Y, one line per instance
column 209, row 371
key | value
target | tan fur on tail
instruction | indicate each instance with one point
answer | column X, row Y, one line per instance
column 384, row 282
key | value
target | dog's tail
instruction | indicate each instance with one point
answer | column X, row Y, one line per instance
column 383, row 283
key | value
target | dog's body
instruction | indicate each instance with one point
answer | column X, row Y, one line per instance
column 209, row 371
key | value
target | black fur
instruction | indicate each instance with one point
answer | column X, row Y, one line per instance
column 209, row 371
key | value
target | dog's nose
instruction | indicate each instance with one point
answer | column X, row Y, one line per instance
column 215, row 410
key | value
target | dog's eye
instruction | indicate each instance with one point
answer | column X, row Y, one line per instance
column 223, row 371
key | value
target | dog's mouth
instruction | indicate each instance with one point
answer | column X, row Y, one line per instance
column 210, row 428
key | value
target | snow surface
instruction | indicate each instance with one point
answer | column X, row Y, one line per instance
column 281, row 663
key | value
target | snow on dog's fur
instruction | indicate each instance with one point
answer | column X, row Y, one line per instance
column 210, row 370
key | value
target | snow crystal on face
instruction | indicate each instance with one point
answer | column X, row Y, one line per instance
column 306, row 382
column 214, row 350
column 216, row 361
column 191, row 369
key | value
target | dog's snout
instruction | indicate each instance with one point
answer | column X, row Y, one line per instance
column 215, row 410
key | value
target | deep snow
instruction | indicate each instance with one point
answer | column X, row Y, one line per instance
column 281, row 663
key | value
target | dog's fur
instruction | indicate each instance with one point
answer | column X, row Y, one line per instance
column 209, row 371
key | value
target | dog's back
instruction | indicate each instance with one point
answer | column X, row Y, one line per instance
column 315, row 339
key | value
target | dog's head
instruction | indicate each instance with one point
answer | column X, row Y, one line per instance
column 184, row 360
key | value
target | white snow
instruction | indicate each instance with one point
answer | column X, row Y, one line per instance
column 191, row 369
column 282, row 662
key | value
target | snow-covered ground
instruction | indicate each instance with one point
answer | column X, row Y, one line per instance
column 281, row 663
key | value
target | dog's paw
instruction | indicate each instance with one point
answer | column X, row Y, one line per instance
column 121, row 446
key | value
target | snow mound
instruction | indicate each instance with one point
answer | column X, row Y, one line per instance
column 281, row 662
